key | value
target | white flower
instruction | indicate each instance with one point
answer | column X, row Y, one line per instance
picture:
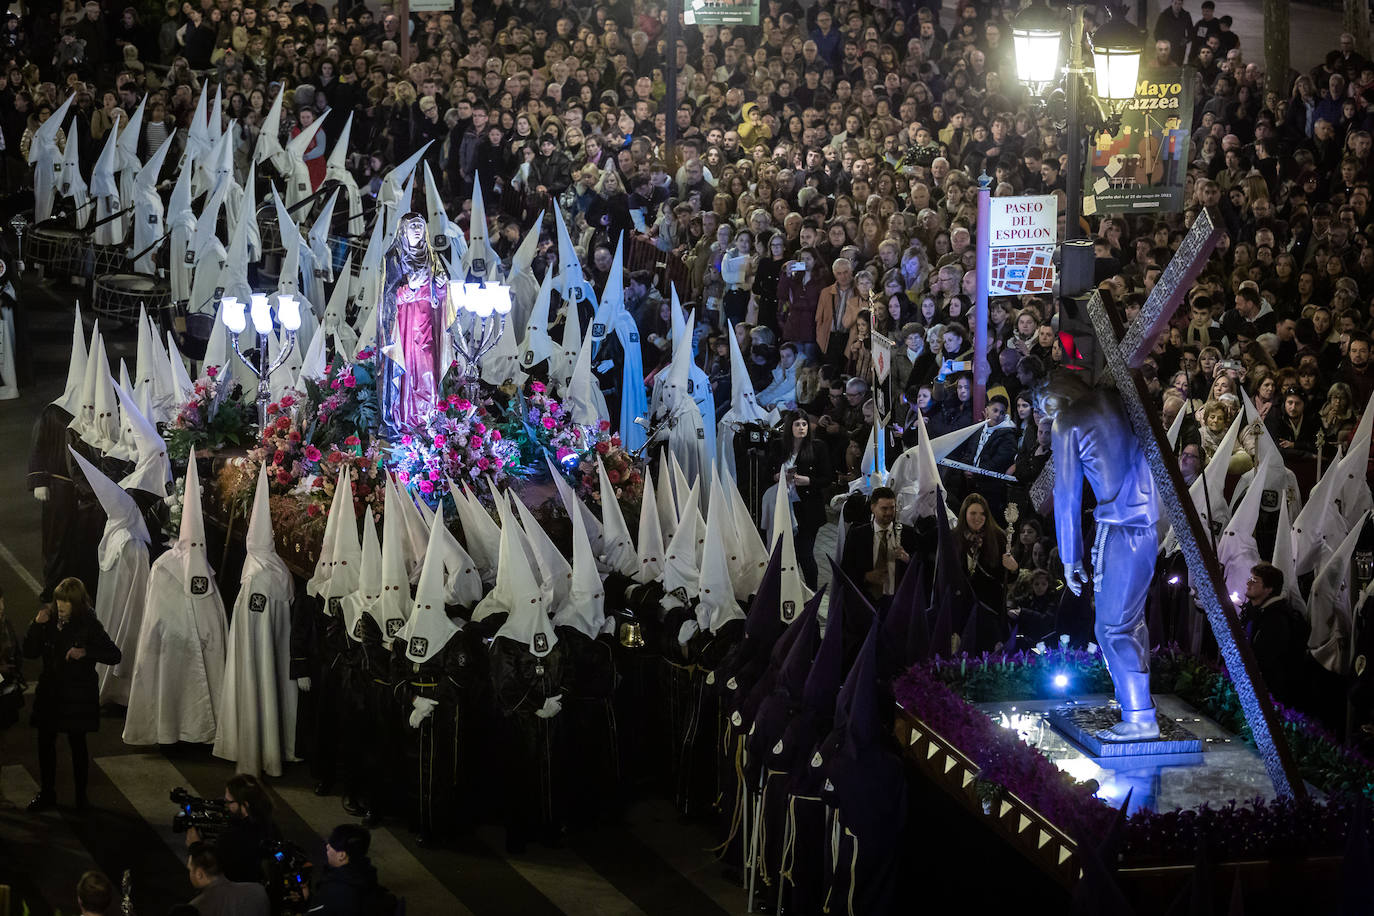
column 1039, row 648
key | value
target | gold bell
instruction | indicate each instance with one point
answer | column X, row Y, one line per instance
column 631, row 636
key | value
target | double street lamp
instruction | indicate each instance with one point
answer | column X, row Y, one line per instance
column 1037, row 34
column 288, row 315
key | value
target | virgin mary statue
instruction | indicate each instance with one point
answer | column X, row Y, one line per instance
column 415, row 312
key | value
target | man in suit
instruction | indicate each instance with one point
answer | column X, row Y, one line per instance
column 877, row 552
column 217, row 895
column 1278, row 634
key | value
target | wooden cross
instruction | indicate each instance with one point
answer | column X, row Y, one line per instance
column 1125, row 352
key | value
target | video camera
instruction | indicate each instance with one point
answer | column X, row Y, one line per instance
column 208, row 815
column 286, row 873
column 758, row 434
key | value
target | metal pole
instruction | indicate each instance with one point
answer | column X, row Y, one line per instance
column 1073, row 184
column 980, row 305
column 670, row 85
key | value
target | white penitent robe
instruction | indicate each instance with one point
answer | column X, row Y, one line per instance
column 179, row 675
column 119, row 607
column 257, row 718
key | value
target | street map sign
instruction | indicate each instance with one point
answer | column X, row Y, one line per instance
column 1021, row 237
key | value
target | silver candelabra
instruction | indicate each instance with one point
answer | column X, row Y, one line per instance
column 288, row 314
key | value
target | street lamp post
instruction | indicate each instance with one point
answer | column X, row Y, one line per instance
column 482, row 312
column 288, row 314
column 1037, row 33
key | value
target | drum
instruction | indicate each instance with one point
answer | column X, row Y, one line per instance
column 117, row 297
column 110, row 259
column 59, row 251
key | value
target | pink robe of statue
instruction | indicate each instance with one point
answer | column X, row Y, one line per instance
column 415, row 334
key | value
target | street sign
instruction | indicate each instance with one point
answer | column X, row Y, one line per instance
column 1021, row 236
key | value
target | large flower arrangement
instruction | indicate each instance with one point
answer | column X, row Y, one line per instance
column 549, row 424
column 216, row 416
column 623, row 470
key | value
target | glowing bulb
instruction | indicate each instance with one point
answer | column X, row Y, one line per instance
column 1173, row 580
column 234, row 318
column 289, row 311
column 1061, row 680
column 262, row 314
column 1235, row 598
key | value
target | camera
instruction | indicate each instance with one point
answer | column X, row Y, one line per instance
column 207, row 815
column 286, row 873
column 952, row 366
column 757, row 434
column 799, row 267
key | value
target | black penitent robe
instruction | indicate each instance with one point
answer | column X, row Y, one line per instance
column 592, row 761
column 71, row 526
column 322, row 651
column 529, row 743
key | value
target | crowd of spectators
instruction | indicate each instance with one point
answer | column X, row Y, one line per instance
column 822, row 190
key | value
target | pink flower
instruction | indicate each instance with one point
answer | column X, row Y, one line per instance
column 312, row 453
column 405, row 440
column 500, row 464
column 495, row 435
column 403, row 477
column 553, row 406
column 483, row 464
column 549, row 423
column 440, row 441
column 563, row 452
column 479, row 428
column 464, row 404
column 426, row 487
column 212, row 371
column 537, row 387
column 349, row 381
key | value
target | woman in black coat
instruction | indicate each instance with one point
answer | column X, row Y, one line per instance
column 807, row 472
column 71, row 642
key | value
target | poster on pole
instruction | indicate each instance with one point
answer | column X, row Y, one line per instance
column 1142, row 168
column 721, row 12
column 432, row 6
column 1021, row 236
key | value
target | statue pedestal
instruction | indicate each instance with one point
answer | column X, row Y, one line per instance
column 1080, row 723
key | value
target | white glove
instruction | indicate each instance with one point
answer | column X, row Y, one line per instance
column 604, row 366
column 40, row 494
column 423, row 708
column 689, row 629
column 303, row 684
column 552, row 707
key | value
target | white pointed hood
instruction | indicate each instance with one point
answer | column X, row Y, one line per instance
column 319, row 239
column 564, row 363
column 126, row 449
column 336, row 169
column 336, row 313
column 45, row 137
column 554, row 571
column 369, row 592
column 103, row 183
column 649, row 552
column 292, row 242
column 1284, row 560
column 70, row 398
column 313, row 363
column 148, row 173
column 263, row 569
column 717, row 605
column 792, row 589
column 198, row 138
column 123, row 521
column 480, row 260
column 298, row 180
column 748, row 572
column 324, row 566
column 394, row 183
column 101, row 427
column 269, row 139
column 524, row 285
column 148, row 365
column 347, row 553
column 152, row 469
column 127, row 145
column 682, row 559
column 179, row 381
column 1354, row 496
column 1208, row 488
column 429, row 627
column 617, row 547
column 198, row 579
column 392, row 609
column 526, row 604
column 480, row 533
column 665, row 501
column 1331, row 603
column 70, row 183
column 574, row 505
column 571, row 283
column 585, row 402
column 442, row 230
column 585, row 609
column 1237, row 550
column 537, row 345
column 612, row 301
column 233, row 278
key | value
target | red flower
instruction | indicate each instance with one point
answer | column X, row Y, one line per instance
column 548, row 423
column 312, row 453
column 603, row 447
column 294, row 437
column 283, row 478
column 287, row 400
column 483, row 464
column 312, row 510
column 604, row 426
column 278, row 457
column 336, row 456
column 615, row 440
column 283, row 423
column 272, row 410
column 352, row 440
column 613, row 476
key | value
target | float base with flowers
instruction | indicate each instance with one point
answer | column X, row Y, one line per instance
column 1073, row 831
column 478, row 435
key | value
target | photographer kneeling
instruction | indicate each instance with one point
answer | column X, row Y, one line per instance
column 240, row 844
column 350, row 886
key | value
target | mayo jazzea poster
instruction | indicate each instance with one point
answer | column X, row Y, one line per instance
column 1141, row 168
